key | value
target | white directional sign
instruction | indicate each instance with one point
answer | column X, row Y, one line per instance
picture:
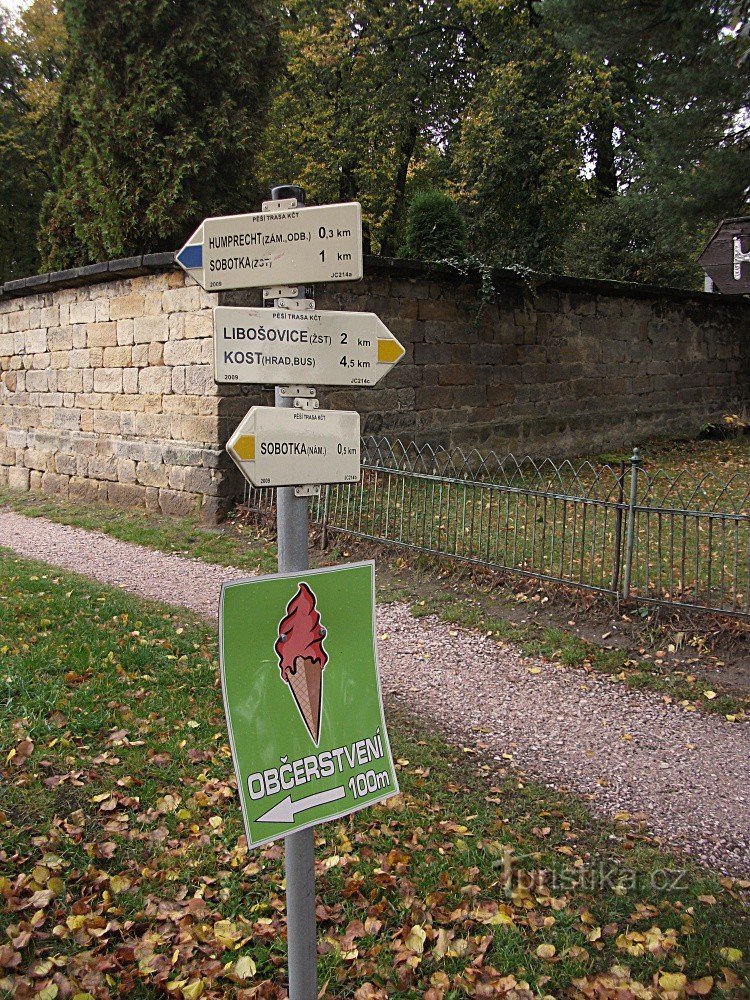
column 289, row 247
column 296, row 447
column 281, row 347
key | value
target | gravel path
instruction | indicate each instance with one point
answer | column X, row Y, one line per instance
column 625, row 750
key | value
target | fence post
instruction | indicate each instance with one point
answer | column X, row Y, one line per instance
column 635, row 461
column 617, row 553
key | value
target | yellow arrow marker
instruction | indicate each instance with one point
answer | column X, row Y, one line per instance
column 244, row 448
column 389, row 351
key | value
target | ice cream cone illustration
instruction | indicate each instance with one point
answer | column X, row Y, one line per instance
column 302, row 657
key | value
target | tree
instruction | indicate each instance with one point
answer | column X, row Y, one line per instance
column 435, row 229
column 676, row 141
column 371, row 93
column 32, row 52
column 518, row 158
column 161, row 114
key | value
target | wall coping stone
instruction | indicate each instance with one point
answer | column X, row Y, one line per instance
column 158, row 263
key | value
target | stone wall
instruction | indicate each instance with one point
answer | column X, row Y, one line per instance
column 107, row 391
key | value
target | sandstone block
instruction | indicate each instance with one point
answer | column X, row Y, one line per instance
column 106, row 423
column 126, row 495
column 125, row 332
column 178, row 504
column 155, row 381
column 102, row 334
column 65, row 463
column 130, row 380
column 196, row 429
column 126, row 306
column 35, row 341
column 82, row 489
column 108, row 380
column 199, row 380
column 153, row 425
column 37, row 381
column 183, row 352
column 181, row 300
column 117, row 357
column 102, row 467
column 150, row 329
column 18, row 479
column 126, row 470
column 83, row 312
column 152, row 475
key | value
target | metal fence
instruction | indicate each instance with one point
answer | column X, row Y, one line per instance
column 625, row 530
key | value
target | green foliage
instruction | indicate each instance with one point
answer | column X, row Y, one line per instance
column 435, row 228
column 371, row 93
column 676, row 135
column 162, row 110
column 518, row 154
column 31, row 58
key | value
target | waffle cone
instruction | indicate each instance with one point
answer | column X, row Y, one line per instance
column 306, row 684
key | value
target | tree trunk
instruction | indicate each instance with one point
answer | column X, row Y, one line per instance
column 405, row 152
column 605, row 171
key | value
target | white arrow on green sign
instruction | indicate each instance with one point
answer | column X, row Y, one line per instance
column 287, row 247
column 314, row 347
column 302, row 698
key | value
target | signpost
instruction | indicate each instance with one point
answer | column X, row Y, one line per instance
column 277, row 346
column 274, row 447
column 302, row 697
column 285, row 244
column 299, row 670
column 726, row 257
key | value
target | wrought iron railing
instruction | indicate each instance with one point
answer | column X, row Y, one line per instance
column 647, row 536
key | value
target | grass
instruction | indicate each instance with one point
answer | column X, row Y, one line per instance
column 528, row 521
column 238, row 546
column 246, row 547
column 123, row 868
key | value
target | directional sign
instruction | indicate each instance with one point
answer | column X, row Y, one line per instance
column 281, row 347
column 726, row 257
column 296, row 447
column 290, row 247
column 302, row 698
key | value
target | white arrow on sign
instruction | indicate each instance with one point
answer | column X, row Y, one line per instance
column 296, row 447
column 317, row 347
column 287, row 809
column 289, row 247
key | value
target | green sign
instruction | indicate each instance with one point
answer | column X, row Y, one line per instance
column 302, row 698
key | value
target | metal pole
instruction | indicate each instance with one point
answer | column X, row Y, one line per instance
column 635, row 460
column 299, row 852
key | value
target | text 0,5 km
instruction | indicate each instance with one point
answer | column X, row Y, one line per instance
column 368, row 781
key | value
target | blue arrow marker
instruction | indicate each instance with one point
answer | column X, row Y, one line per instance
column 191, row 256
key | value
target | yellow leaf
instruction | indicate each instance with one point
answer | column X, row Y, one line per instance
column 546, row 951
column 709, row 694
column 226, row 933
column 731, row 954
column 119, row 883
column 702, row 986
column 415, row 939
column 102, row 797
column 215, row 822
column 75, row 921
column 673, row 981
column 244, row 968
column 193, row 990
